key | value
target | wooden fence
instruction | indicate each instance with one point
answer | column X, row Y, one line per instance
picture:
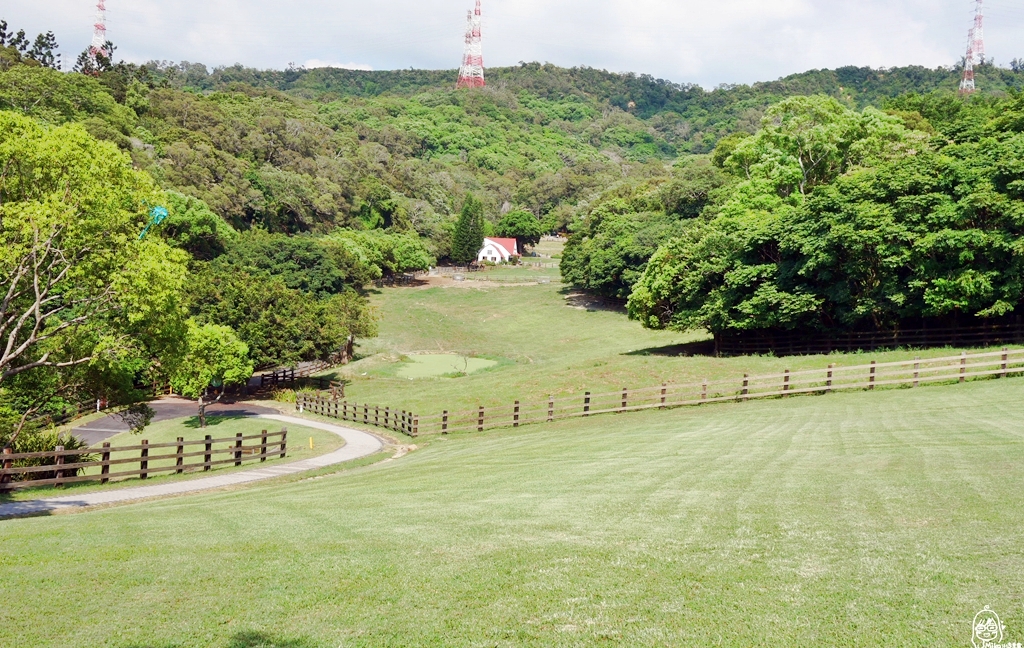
column 783, row 343
column 911, row 373
column 60, row 467
column 375, row 415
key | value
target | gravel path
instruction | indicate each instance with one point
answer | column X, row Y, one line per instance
column 357, row 445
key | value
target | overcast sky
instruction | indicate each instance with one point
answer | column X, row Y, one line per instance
column 707, row 42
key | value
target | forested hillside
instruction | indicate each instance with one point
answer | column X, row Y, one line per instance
column 686, row 115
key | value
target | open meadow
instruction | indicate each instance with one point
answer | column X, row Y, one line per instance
column 541, row 339
column 856, row 519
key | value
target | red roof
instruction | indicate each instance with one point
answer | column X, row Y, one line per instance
column 507, row 243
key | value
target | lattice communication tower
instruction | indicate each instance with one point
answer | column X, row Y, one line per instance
column 975, row 50
column 471, row 74
column 99, row 30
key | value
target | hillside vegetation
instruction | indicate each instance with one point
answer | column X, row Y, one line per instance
column 272, row 199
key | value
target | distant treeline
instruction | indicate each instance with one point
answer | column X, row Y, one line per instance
column 686, row 114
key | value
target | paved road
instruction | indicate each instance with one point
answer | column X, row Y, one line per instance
column 357, row 445
column 166, row 409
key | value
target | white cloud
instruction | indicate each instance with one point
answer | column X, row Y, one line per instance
column 313, row 64
column 726, row 41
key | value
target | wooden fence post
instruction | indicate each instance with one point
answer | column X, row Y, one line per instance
column 8, row 464
column 963, row 366
column 376, row 416
column 179, row 459
column 586, row 404
column 60, row 462
column 745, row 394
column 284, row 442
column 625, row 399
column 415, row 426
column 871, row 377
column 551, row 408
column 263, row 446
column 387, row 418
column 704, row 390
column 444, row 422
column 664, row 394
column 515, row 415
column 480, row 420
column 785, row 383
column 828, row 381
column 344, row 411
column 917, row 371
column 105, row 461
column 238, row 449
column 1006, row 357
column 208, row 457
column 366, row 414
column 144, row 462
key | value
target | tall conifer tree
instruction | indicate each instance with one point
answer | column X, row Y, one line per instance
column 469, row 231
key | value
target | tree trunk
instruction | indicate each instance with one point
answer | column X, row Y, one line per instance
column 202, row 413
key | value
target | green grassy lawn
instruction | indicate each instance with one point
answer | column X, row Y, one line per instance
column 438, row 365
column 855, row 519
column 549, row 342
column 219, row 427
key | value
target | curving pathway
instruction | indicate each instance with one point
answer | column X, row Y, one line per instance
column 357, row 445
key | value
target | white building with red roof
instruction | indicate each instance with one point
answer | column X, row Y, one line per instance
column 497, row 250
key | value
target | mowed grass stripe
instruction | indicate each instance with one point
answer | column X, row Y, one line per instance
column 842, row 520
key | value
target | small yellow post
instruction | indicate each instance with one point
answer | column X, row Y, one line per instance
column 310, row 443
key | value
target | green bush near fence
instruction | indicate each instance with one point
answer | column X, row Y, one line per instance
column 853, row 519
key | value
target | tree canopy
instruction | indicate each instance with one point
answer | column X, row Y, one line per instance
column 88, row 307
column 853, row 221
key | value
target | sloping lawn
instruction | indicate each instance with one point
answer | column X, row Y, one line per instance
column 551, row 342
column 857, row 519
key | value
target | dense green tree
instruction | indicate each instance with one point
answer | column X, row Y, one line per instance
column 469, row 231
column 280, row 325
column 522, row 226
column 193, row 227
column 87, row 303
column 386, row 254
column 891, row 231
column 302, row 263
column 612, row 243
column 213, row 357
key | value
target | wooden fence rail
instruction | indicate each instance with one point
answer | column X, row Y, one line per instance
column 910, row 373
column 67, row 464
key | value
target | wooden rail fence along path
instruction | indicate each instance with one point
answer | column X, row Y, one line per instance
column 68, row 465
column 911, row 373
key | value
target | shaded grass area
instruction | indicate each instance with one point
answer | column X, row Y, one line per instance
column 856, row 519
column 188, row 428
column 556, row 342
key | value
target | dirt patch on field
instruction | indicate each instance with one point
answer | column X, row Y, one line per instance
column 583, row 301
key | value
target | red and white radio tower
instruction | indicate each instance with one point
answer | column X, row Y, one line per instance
column 471, row 74
column 975, row 50
column 99, row 33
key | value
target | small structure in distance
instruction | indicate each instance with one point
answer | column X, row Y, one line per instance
column 497, row 250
